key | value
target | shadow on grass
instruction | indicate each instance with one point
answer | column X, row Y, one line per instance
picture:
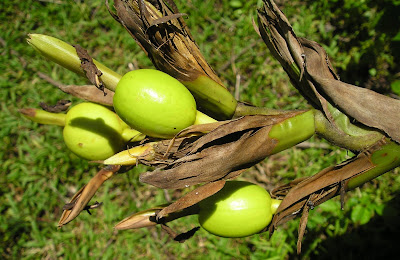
column 378, row 239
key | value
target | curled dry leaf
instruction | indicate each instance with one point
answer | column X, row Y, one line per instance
column 311, row 72
column 60, row 106
column 192, row 197
column 87, row 92
column 92, row 72
column 81, row 199
column 223, row 153
column 163, row 35
column 304, row 194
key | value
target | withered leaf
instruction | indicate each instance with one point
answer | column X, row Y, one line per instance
column 192, row 197
column 80, row 200
column 90, row 93
column 317, row 80
column 223, row 153
column 60, row 106
column 302, row 227
column 366, row 106
column 92, row 72
column 322, row 186
column 86, row 92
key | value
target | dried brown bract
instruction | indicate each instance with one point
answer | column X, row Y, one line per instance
column 304, row 194
column 223, row 153
column 311, row 72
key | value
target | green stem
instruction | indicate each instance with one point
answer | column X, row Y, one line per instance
column 348, row 136
column 274, row 205
column 293, row 131
column 64, row 54
column 43, row 117
column 212, row 98
column 385, row 159
column 202, row 118
column 132, row 135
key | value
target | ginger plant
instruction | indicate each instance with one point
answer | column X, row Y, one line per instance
column 209, row 154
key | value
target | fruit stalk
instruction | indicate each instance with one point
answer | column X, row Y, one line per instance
column 385, row 159
column 130, row 156
column 212, row 97
column 43, row 117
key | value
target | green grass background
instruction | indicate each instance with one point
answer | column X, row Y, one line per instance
column 38, row 174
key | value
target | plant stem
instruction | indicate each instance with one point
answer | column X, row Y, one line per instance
column 293, row 131
column 348, row 136
column 129, row 157
column 385, row 159
column 212, row 97
column 43, row 117
column 274, row 205
column 202, row 118
column 132, row 135
column 245, row 110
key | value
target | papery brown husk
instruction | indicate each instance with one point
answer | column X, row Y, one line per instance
column 223, row 153
column 318, row 82
column 301, row 195
column 164, row 37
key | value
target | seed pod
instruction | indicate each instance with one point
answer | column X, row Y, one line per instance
column 94, row 132
column 240, row 209
column 154, row 103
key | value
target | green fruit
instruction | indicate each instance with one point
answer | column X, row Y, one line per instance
column 154, row 103
column 93, row 132
column 240, row 209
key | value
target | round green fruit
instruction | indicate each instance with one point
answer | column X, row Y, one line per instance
column 93, row 131
column 240, row 209
column 154, row 103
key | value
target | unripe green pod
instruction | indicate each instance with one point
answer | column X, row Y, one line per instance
column 154, row 103
column 240, row 209
column 94, row 132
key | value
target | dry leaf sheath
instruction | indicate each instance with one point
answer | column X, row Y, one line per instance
column 223, row 153
column 311, row 72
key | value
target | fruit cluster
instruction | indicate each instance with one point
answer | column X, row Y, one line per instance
column 151, row 104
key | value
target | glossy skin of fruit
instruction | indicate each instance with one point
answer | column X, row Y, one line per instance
column 240, row 209
column 93, row 131
column 154, row 103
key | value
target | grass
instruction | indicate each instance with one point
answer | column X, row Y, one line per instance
column 38, row 174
